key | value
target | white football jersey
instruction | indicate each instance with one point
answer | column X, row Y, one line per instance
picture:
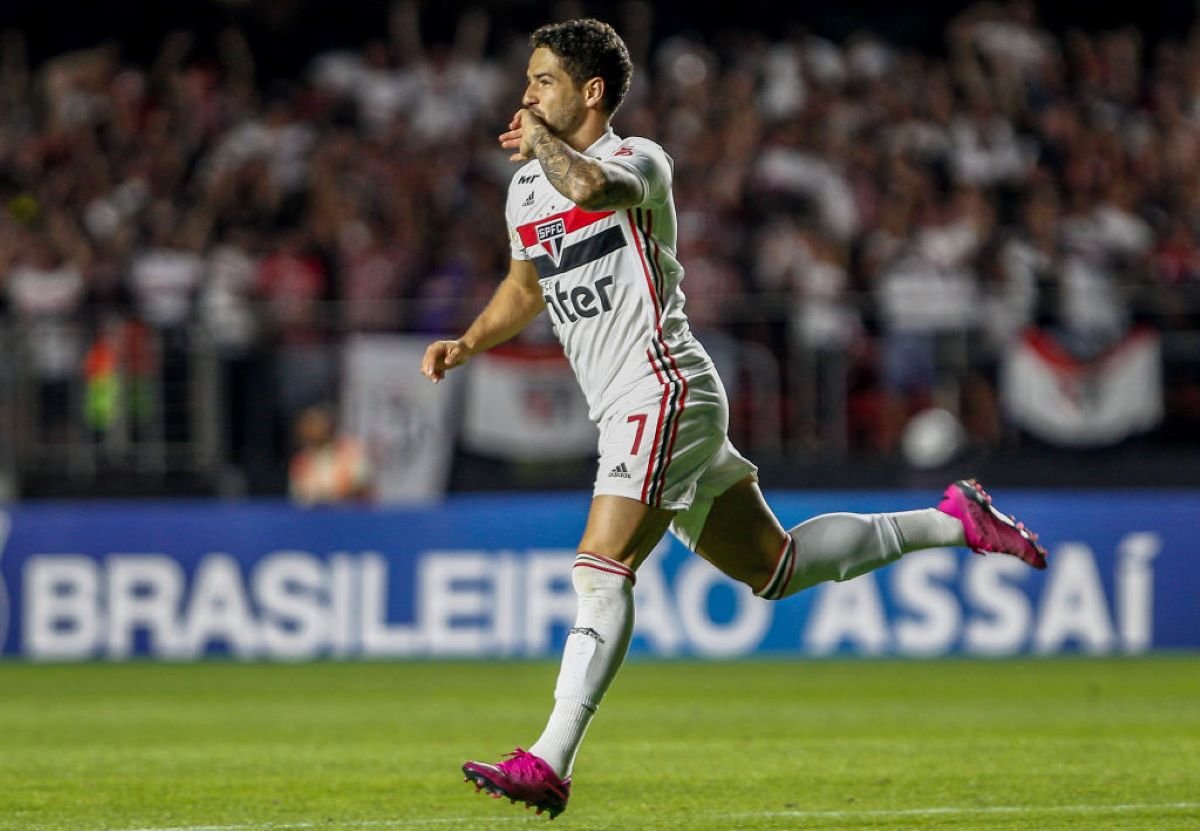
column 610, row 279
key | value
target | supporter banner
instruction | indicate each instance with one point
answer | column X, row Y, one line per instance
column 1069, row 402
column 406, row 423
column 490, row 577
column 523, row 403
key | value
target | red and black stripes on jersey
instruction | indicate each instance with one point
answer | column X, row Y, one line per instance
column 549, row 234
column 674, row 385
column 666, row 429
column 581, row 253
column 640, row 224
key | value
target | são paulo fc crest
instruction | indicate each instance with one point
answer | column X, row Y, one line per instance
column 550, row 236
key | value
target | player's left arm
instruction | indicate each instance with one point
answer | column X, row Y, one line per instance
column 592, row 184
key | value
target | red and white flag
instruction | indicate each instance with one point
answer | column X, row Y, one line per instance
column 523, row 402
column 1063, row 400
column 405, row 422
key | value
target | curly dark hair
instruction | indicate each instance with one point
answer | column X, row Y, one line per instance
column 587, row 49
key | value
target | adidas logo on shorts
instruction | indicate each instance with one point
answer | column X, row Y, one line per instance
column 619, row 472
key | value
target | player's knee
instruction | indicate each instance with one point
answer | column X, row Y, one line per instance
column 582, row 580
column 592, row 576
column 770, row 573
column 758, row 578
column 752, row 564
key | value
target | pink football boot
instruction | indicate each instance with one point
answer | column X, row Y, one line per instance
column 522, row 777
column 986, row 529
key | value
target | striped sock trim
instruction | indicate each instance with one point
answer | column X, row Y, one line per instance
column 586, row 559
column 779, row 581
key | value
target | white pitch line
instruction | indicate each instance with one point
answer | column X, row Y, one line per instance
column 982, row 809
column 299, row 826
column 841, row 814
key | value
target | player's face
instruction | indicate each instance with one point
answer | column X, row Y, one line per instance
column 551, row 95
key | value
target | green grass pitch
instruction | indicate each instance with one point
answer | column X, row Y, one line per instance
column 1008, row 744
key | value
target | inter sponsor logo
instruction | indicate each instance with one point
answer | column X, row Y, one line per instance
column 568, row 306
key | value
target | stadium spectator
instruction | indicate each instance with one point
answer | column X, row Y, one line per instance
column 229, row 311
column 45, row 291
column 293, row 282
column 1020, row 279
column 327, row 468
column 928, row 292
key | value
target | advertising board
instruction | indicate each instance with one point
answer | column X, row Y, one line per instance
column 489, row 577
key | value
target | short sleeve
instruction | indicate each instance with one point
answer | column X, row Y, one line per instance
column 650, row 163
column 514, row 237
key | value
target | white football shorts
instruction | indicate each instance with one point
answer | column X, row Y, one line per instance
column 670, row 448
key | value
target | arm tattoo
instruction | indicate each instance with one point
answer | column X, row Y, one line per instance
column 580, row 178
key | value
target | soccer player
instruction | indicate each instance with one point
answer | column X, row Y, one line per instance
column 591, row 221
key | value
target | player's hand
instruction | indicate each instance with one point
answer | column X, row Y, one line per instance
column 441, row 356
column 516, row 138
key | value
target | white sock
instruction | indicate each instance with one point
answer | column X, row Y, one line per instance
column 843, row 546
column 928, row 528
column 595, row 649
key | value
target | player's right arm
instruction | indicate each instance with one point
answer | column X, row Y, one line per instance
column 517, row 301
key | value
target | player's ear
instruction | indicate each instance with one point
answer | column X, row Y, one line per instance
column 593, row 92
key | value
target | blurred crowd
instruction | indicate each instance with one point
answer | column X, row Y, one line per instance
column 855, row 203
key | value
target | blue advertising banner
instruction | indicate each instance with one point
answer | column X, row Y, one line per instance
column 490, row 577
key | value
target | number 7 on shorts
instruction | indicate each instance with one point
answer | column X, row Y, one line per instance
column 640, row 419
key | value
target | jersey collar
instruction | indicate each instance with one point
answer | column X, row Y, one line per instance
column 597, row 147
